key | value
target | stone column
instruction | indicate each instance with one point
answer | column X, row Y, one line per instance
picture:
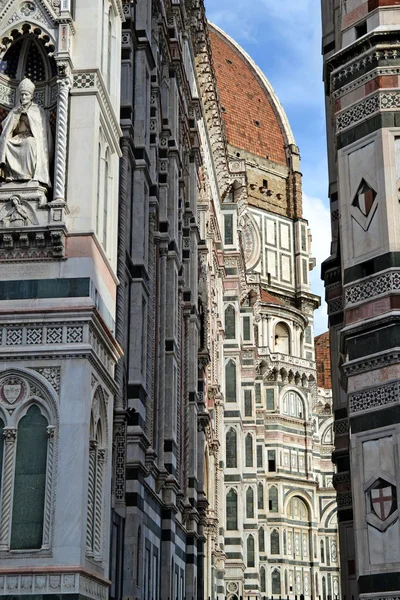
column 60, row 158
column 49, row 487
column 98, row 506
column 10, row 436
column 161, row 373
column 91, row 496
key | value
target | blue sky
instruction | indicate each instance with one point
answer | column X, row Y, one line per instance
column 284, row 39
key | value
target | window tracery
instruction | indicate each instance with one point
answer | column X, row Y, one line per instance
column 293, row 405
column 97, row 455
column 32, row 423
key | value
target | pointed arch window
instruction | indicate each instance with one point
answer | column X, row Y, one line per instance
column 230, row 381
column 273, row 499
column 231, row 449
column 260, row 495
column 248, row 403
column 106, row 197
column 276, row 582
column 263, row 580
column 249, row 450
column 139, row 557
column 230, row 323
column 30, row 474
column 261, row 540
column 275, row 547
column 250, row 504
column 94, row 542
column 109, row 48
column 250, row 552
column 231, row 510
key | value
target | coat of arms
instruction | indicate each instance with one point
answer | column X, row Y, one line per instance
column 12, row 390
column 382, row 501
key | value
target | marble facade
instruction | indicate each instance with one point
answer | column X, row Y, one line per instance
column 361, row 83
column 155, row 307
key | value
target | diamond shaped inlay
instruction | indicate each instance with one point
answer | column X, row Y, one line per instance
column 364, row 198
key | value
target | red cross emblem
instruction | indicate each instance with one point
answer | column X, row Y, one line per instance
column 382, row 501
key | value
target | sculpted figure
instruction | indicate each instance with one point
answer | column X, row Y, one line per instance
column 26, row 143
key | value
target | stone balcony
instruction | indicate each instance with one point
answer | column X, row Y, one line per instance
column 284, row 367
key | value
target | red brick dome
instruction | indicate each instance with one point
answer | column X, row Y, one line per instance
column 254, row 119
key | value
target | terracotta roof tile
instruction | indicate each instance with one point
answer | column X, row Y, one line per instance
column 250, row 120
column 267, row 297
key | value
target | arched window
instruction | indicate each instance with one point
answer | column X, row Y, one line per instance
column 260, row 495
column 231, row 449
column 293, row 405
column 273, row 499
column 282, row 338
column 231, row 510
column 250, row 504
column 98, row 198
column 230, row 381
column 30, row 481
column 1, row 450
column 261, row 540
column 275, row 547
column 139, row 556
column 248, row 403
column 249, row 450
column 276, row 582
column 230, row 323
column 263, row 581
column 322, row 546
column 316, row 585
column 250, row 552
column 298, row 510
column 97, row 445
column 106, row 223
column 109, row 49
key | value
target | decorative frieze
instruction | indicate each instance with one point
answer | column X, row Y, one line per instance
column 366, row 108
column 52, row 583
column 28, row 336
column 375, row 286
column 374, row 397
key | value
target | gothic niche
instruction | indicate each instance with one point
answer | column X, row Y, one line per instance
column 28, row 112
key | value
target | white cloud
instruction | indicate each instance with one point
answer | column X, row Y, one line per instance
column 318, row 218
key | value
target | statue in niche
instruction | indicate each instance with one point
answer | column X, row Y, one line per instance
column 26, row 142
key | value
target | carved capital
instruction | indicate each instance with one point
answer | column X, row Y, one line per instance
column 50, row 432
column 10, row 434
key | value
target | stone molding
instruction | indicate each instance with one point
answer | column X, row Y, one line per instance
column 371, row 75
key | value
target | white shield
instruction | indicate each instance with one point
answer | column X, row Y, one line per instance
column 382, row 501
column 12, row 391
